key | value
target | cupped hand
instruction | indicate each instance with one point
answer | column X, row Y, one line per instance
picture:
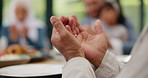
column 94, row 45
column 64, row 41
column 14, row 33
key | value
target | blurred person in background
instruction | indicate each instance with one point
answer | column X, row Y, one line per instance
column 25, row 29
column 92, row 11
column 132, row 35
column 117, row 33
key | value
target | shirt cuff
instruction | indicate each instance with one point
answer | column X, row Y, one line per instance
column 109, row 67
column 78, row 67
column 77, row 60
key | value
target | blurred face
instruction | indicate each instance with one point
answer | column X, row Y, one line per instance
column 21, row 13
column 92, row 7
column 109, row 16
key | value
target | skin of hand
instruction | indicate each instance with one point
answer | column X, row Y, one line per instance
column 64, row 41
column 89, row 30
column 14, row 33
column 67, row 21
column 24, row 32
column 94, row 45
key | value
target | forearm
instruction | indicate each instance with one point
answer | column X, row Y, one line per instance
column 78, row 68
column 110, row 66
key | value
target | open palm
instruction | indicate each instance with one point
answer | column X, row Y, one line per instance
column 94, row 45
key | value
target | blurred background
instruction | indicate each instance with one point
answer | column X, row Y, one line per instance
column 25, row 23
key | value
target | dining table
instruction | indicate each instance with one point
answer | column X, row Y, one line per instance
column 46, row 62
column 57, row 61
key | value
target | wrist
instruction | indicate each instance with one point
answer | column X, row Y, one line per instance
column 71, row 55
column 97, row 61
column 97, row 64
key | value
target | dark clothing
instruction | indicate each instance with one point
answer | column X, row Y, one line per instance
column 39, row 44
column 132, row 36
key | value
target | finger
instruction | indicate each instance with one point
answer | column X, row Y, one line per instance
column 55, row 37
column 98, row 27
column 77, row 22
column 69, row 29
column 62, row 19
column 76, row 19
column 54, row 33
column 74, row 22
column 66, row 20
column 77, row 31
column 58, row 26
column 74, row 26
column 71, row 24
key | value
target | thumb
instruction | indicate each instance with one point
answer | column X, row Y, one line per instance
column 98, row 27
column 58, row 26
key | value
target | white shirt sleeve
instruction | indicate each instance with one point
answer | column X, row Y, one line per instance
column 110, row 66
column 78, row 68
column 81, row 68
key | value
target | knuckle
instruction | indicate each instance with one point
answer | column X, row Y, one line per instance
column 56, row 24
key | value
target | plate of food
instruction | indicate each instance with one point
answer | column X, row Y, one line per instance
column 13, row 55
column 32, row 70
column 23, row 52
column 13, row 59
column 37, row 55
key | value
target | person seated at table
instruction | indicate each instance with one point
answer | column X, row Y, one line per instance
column 117, row 33
column 25, row 29
column 88, row 59
column 92, row 13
